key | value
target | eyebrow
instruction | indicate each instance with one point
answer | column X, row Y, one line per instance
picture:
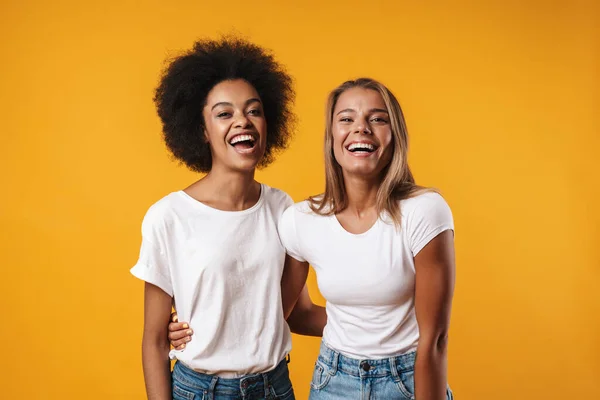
column 371, row 110
column 225, row 103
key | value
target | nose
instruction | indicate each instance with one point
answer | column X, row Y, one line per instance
column 362, row 127
column 241, row 121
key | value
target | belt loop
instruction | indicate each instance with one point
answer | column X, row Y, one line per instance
column 394, row 369
column 211, row 388
column 288, row 358
column 266, row 385
column 334, row 361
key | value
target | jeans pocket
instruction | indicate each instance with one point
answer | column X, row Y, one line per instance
column 281, row 387
column 321, row 376
column 281, row 393
column 406, row 383
column 182, row 393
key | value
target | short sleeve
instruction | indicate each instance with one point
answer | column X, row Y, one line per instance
column 288, row 201
column 289, row 235
column 152, row 265
column 427, row 216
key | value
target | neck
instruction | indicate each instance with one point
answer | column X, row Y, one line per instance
column 362, row 194
column 231, row 190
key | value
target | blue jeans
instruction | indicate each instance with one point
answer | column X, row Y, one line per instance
column 191, row 385
column 339, row 377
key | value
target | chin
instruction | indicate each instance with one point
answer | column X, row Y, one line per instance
column 361, row 170
column 245, row 166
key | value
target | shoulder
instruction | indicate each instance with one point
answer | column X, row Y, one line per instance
column 424, row 203
column 276, row 198
column 423, row 217
column 302, row 210
column 293, row 209
column 159, row 213
column 298, row 213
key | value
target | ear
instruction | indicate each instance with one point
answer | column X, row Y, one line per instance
column 205, row 135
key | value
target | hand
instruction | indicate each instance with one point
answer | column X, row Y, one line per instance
column 179, row 332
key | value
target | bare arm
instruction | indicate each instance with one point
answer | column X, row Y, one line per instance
column 303, row 317
column 307, row 318
column 155, row 343
column 292, row 281
column 435, row 271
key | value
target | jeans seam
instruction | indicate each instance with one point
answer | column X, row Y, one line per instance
column 181, row 391
column 325, row 380
column 181, row 376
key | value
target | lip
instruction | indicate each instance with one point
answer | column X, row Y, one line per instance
column 362, row 154
column 249, row 151
column 251, row 133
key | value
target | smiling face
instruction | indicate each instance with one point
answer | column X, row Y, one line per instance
column 362, row 133
column 235, row 126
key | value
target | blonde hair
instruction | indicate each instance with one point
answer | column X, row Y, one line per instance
column 397, row 182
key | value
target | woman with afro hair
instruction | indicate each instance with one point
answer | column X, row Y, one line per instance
column 212, row 249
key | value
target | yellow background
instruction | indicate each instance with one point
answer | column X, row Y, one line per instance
column 502, row 102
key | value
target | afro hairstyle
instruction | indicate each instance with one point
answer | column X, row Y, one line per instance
column 188, row 79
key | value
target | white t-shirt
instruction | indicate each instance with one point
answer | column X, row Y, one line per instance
column 367, row 279
column 223, row 269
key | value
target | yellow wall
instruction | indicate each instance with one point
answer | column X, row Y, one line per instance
column 502, row 101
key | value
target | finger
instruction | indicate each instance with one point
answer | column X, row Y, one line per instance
column 175, row 326
column 174, row 317
column 178, row 326
column 181, row 343
column 180, row 334
column 181, row 347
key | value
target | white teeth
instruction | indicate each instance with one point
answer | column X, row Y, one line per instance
column 354, row 146
column 241, row 138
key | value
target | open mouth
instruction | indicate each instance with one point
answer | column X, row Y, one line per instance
column 361, row 148
column 243, row 142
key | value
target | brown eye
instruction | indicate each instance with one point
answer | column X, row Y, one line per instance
column 377, row 119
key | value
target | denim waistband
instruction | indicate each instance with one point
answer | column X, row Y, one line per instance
column 366, row 367
column 200, row 381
